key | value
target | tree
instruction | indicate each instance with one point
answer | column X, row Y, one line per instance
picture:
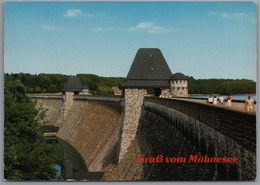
column 104, row 90
column 26, row 155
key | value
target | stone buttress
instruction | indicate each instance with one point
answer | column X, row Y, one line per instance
column 133, row 107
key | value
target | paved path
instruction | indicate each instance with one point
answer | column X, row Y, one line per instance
column 238, row 106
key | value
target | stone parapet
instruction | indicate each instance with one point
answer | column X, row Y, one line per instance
column 239, row 126
column 99, row 98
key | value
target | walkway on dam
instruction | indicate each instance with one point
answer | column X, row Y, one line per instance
column 237, row 106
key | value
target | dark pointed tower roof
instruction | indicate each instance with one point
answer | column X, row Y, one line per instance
column 73, row 84
column 149, row 70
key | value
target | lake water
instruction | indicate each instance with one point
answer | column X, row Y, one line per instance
column 234, row 97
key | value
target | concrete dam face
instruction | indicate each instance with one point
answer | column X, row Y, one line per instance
column 171, row 129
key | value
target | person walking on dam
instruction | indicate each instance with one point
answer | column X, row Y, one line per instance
column 210, row 99
column 249, row 104
column 221, row 100
column 229, row 101
column 215, row 100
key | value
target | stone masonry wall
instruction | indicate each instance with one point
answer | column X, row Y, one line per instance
column 67, row 104
column 91, row 126
column 165, row 93
column 206, row 141
column 52, row 107
column 179, row 88
column 239, row 126
column 133, row 106
column 176, row 129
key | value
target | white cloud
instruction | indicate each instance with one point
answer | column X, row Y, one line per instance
column 76, row 13
column 48, row 27
column 102, row 29
column 149, row 27
column 228, row 15
column 236, row 15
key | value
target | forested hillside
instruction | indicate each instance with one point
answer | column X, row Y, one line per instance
column 221, row 86
column 53, row 83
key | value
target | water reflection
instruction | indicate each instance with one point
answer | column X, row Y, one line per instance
column 72, row 165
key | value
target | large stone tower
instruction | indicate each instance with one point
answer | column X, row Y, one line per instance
column 149, row 70
column 179, row 85
column 72, row 87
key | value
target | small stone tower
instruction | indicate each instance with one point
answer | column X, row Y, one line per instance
column 72, row 87
column 85, row 91
column 179, row 85
column 149, row 70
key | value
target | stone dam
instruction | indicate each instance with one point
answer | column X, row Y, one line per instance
column 94, row 126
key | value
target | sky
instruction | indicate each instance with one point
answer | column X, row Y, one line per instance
column 200, row 39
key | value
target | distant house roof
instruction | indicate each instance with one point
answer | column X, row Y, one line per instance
column 73, row 84
column 179, row 76
column 149, row 70
column 115, row 88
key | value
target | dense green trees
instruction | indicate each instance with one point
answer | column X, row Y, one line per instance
column 53, row 83
column 100, row 85
column 26, row 155
column 221, row 86
column 42, row 82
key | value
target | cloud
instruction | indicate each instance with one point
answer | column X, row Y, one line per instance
column 48, row 27
column 228, row 15
column 235, row 16
column 148, row 27
column 102, row 29
column 72, row 13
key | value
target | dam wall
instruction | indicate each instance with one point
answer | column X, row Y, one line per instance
column 52, row 106
column 172, row 128
column 91, row 126
column 177, row 128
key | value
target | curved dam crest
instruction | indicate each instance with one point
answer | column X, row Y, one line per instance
column 94, row 126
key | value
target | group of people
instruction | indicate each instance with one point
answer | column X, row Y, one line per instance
column 215, row 101
column 249, row 103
